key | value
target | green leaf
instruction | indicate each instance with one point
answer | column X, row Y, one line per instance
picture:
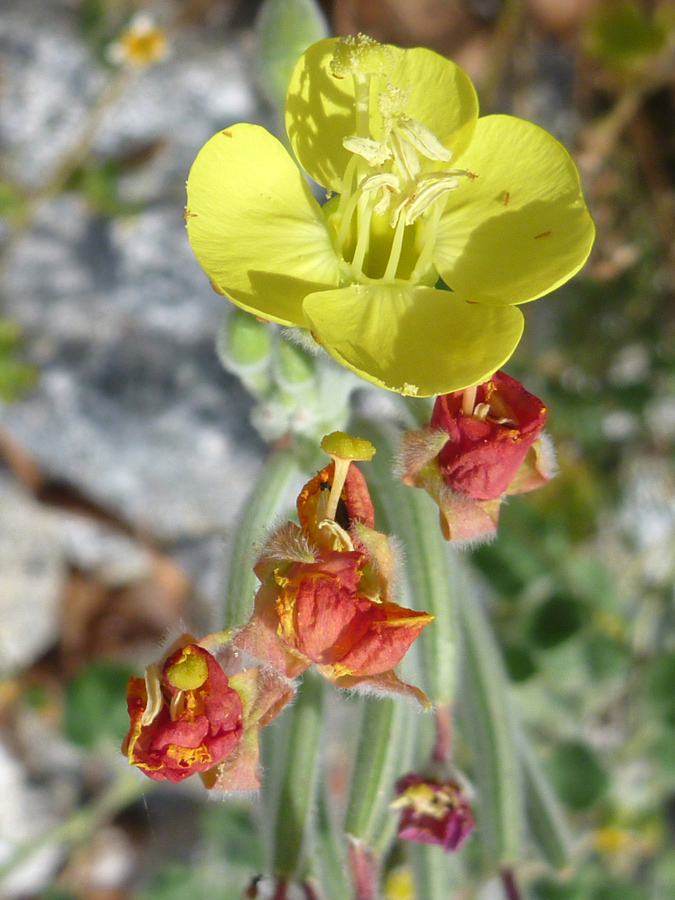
column 95, row 705
column 545, row 818
column 660, row 687
column 16, row 378
column 555, row 621
column 286, row 28
column 577, row 775
column 623, row 32
column 520, row 663
column 488, row 723
column 384, row 754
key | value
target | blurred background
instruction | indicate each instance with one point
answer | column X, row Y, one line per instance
column 126, row 450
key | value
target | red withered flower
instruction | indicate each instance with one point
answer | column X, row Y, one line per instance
column 432, row 812
column 481, row 444
column 187, row 716
column 325, row 590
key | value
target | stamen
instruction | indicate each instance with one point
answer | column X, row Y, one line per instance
column 469, row 400
column 154, row 691
column 177, row 705
column 423, row 140
column 342, row 449
column 339, row 478
column 424, row 261
column 405, row 157
column 375, row 153
column 395, row 254
column 426, row 194
column 346, row 222
column 363, row 238
column 389, row 183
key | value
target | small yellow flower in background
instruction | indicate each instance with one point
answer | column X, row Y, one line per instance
column 400, row 885
column 424, row 190
column 142, row 44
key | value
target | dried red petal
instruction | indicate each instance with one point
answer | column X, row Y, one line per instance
column 433, row 812
column 206, row 727
column 323, row 616
column 482, row 456
column 356, row 505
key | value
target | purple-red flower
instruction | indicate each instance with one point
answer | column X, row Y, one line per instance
column 324, row 597
column 187, row 716
column 480, row 445
column 432, row 812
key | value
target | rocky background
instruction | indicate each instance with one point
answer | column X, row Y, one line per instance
column 126, row 450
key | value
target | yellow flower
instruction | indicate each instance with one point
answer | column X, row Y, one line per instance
column 142, row 44
column 425, row 190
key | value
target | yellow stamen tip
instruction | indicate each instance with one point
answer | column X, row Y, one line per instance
column 360, row 54
column 189, row 673
column 340, row 445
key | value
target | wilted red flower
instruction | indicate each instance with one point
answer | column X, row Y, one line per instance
column 481, row 444
column 432, row 812
column 325, row 591
column 187, row 716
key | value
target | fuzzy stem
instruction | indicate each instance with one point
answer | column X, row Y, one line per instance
column 298, row 785
column 509, row 884
column 265, row 502
column 364, row 871
column 443, row 743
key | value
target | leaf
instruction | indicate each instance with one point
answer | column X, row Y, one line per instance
column 95, row 705
column 488, row 723
column 286, row 28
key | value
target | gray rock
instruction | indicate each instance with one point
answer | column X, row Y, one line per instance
column 132, row 407
column 32, row 574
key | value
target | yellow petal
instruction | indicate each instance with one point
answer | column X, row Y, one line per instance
column 442, row 96
column 411, row 339
column 320, row 106
column 521, row 228
column 255, row 227
column 319, row 115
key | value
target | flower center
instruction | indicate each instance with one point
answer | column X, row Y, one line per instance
column 394, row 187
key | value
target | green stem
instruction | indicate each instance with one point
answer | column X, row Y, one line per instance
column 385, row 753
column 488, row 724
column 299, row 779
column 267, row 499
column 436, row 873
column 432, row 583
column 329, row 855
column 545, row 818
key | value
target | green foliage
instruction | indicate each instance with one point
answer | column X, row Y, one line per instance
column 230, row 852
column 97, row 181
column 12, row 202
column 623, row 32
column 286, row 28
column 16, row 376
column 95, row 705
column 661, row 687
column 577, row 775
column 556, row 620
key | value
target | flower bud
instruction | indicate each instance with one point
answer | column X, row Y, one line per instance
column 481, row 444
column 432, row 812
